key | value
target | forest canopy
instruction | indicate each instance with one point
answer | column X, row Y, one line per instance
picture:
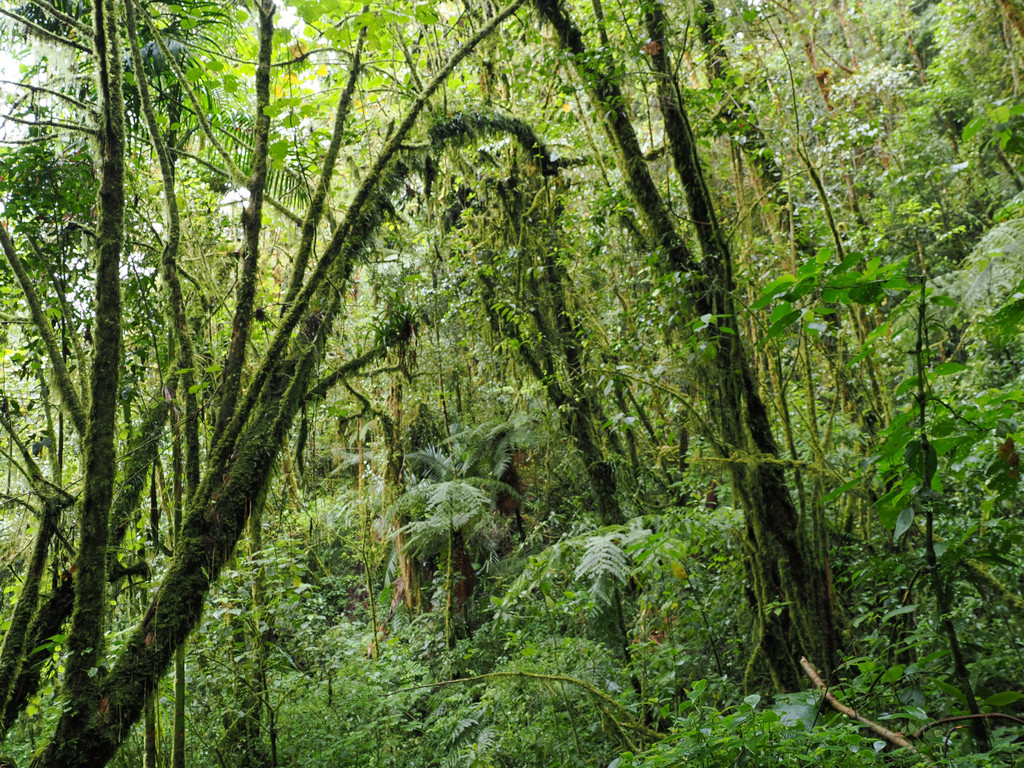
column 550, row 383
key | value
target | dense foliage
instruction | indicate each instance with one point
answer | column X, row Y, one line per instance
column 426, row 384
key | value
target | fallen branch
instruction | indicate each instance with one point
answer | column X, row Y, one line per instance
column 896, row 739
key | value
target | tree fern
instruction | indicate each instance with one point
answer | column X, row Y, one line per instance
column 601, row 559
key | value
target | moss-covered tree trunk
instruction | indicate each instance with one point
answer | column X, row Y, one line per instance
column 239, row 465
column 85, row 704
column 187, row 471
column 779, row 568
column 552, row 341
column 15, row 642
column 55, row 609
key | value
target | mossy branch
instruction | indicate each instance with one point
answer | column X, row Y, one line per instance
column 65, row 386
column 47, row 622
column 252, row 224
column 88, row 109
column 360, row 239
column 169, row 260
column 42, row 33
column 779, row 566
column 71, row 21
column 342, row 372
column 464, row 127
column 314, row 214
column 895, row 739
column 12, row 653
column 56, row 608
column 66, row 311
column 46, row 491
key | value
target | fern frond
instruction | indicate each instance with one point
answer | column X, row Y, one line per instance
column 995, row 265
column 431, row 462
column 603, row 558
column 457, row 493
column 461, row 727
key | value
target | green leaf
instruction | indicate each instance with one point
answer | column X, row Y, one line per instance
column 903, row 522
column 784, row 310
column 867, row 293
column 997, row 700
column 1008, row 319
column 893, row 673
column 946, row 369
column 835, row 494
column 801, row 289
column 950, row 690
column 426, row 15
column 780, row 325
column 278, row 150
column 999, row 114
column 773, row 289
column 972, row 128
column 907, row 385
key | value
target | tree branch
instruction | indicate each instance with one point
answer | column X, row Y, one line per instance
column 896, row 739
column 44, row 34
column 65, row 386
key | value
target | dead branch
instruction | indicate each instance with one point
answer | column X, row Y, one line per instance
column 896, row 739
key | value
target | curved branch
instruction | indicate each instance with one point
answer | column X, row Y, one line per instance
column 57, row 124
column 339, row 245
column 41, row 487
column 169, row 259
column 959, row 718
column 88, row 108
column 252, row 223
column 65, row 308
column 316, row 205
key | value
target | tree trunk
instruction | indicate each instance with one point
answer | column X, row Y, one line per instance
column 779, row 570
column 88, row 618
